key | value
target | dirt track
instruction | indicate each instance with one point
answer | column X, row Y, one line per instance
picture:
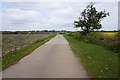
column 54, row 59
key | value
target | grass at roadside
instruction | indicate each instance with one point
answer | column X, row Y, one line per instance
column 99, row 38
column 12, row 58
column 98, row 61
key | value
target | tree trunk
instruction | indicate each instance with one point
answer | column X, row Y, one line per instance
column 87, row 29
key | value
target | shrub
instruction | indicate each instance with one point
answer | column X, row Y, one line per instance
column 110, row 42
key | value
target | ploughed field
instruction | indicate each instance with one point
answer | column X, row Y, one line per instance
column 14, row 42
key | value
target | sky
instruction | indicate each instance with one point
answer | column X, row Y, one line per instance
column 119, row 15
column 19, row 16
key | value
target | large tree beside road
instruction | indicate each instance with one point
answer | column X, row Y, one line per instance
column 90, row 19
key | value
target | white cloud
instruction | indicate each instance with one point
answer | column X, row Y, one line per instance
column 60, row 0
column 110, row 22
column 119, row 15
column 50, row 15
column 17, row 17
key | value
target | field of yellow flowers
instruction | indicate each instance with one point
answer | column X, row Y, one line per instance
column 110, row 33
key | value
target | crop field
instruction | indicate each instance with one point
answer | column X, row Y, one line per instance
column 110, row 33
column 13, row 42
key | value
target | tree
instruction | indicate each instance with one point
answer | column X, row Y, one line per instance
column 90, row 19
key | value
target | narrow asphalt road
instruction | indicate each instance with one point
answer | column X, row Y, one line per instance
column 54, row 59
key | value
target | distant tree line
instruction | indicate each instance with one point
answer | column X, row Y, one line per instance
column 34, row 32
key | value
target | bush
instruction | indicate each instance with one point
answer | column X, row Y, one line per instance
column 110, row 42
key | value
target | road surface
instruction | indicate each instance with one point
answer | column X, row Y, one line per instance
column 54, row 59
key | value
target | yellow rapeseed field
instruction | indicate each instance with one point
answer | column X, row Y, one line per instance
column 110, row 33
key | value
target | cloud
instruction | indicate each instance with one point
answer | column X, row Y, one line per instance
column 110, row 22
column 119, row 15
column 18, row 17
column 60, row 0
column 50, row 15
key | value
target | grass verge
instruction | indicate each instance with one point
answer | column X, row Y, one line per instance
column 98, row 61
column 12, row 58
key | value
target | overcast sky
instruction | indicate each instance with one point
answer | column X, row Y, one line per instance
column 52, row 15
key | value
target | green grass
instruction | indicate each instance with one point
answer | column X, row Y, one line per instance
column 99, row 38
column 97, row 60
column 12, row 58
